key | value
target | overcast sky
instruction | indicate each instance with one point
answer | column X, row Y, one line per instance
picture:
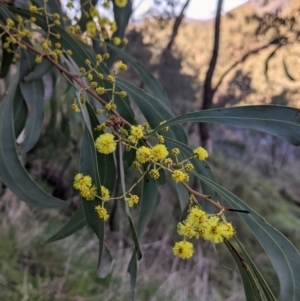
column 197, row 9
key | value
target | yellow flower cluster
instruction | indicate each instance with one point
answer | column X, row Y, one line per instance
column 156, row 153
column 199, row 224
column 84, row 185
column 89, row 192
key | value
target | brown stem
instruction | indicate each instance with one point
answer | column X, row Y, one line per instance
column 74, row 78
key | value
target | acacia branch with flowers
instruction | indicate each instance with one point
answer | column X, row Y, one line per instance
column 155, row 148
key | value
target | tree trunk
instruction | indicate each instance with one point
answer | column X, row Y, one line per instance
column 208, row 93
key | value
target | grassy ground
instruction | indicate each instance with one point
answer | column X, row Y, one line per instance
column 66, row 270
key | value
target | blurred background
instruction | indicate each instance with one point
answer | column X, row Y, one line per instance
column 256, row 61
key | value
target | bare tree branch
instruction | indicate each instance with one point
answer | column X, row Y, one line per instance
column 242, row 59
column 176, row 26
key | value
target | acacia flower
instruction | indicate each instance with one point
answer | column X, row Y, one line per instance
column 82, row 182
column 165, row 128
column 133, row 199
column 89, row 193
column 197, row 216
column 213, row 231
column 75, row 108
column 121, row 3
column 113, row 26
column 183, row 249
column 91, row 28
column 93, row 11
column 186, row 228
column 106, row 143
column 200, row 153
column 105, row 193
column 100, row 90
column 179, row 176
column 102, row 212
column 143, row 154
column 123, row 94
column 33, row 9
column 136, row 131
column 121, row 66
column 154, row 173
column 227, row 230
column 116, row 41
column 175, row 152
column 159, row 152
column 188, row 167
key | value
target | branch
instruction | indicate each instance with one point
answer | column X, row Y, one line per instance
column 176, row 26
column 243, row 58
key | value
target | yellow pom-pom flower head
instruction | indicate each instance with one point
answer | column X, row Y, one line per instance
column 179, row 176
column 186, row 228
column 159, row 152
column 89, row 193
column 200, row 153
column 102, row 212
column 183, row 249
column 106, row 143
column 197, row 216
column 132, row 200
column 213, row 231
column 105, row 193
column 136, row 131
column 82, row 182
column 143, row 154
column 91, row 28
column 121, row 3
column 227, row 230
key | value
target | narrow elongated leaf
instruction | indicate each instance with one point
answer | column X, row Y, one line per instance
column 263, row 284
column 283, row 255
column 21, row 3
column 153, row 110
column 148, row 79
column 106, row 164
column 252, row 292
column 39, row 71
column 106, row 265
column 75, row 223
column 33, row 94
column 280, row 121
column 124, row 109
column 89, row 166
column 20, row 112
column 131, row 224
column 149, row 201
column 12, row 171
column 132, row 270
column 6, row 58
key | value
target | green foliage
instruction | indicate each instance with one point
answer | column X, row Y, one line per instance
column 102, row 102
